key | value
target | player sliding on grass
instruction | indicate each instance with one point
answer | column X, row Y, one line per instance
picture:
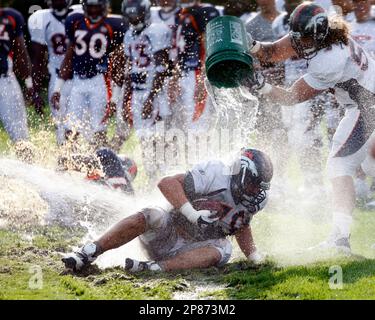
column 210, row 202
column 336, row 62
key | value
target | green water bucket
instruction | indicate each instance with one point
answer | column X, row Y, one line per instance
column 228, row 61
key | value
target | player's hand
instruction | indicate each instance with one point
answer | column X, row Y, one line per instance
column 55, row 100
column 39, row 103
column 254, row 46
column 256, row 257
column 257, row 84
column 147, row 109
column 200, row 217
column 29, row 93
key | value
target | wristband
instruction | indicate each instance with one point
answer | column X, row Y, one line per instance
column 188, row 211
column 29, row 82
column 58, row 85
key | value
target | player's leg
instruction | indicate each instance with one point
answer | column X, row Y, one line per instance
column 98, row 100
column 349, row 149
column 14, row 118
column 200, row 255
column 59, row 116
column 121, row 233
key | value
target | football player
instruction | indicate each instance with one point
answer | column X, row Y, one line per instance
column 48, row 38
column 13, row 52
column 143, row 68
column 334, row 61
column 104, row 167
column 193, row 234
column 191, row 95
column 93, row 35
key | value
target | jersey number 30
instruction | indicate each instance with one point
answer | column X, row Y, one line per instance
column 97, row 46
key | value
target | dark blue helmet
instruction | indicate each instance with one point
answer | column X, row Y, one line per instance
column 95, row 10
column 137, row 13
column 59, row 7
column 309, row 27
column 251, row 179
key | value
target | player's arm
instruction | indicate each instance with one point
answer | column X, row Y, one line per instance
column 272, row 52
column 161, row 66
column 245, row 241
column 173, row 188
column 244, row 238
column 38, row 56
column 22, row 61
column 299, row 92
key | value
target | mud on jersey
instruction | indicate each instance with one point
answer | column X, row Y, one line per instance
column 47, row 29
column 11, row 27
column 211, row 180
column 140, row 48
column 93, row 42
column 189, row 40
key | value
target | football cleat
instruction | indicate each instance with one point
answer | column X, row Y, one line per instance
column 133, row 265
column 80, row 259
column 341, row 245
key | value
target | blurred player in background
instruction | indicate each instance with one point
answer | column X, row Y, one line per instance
column 193, row 111
column 13, row 52
column 142, row 65
column 93, row 35
column 48, row 38
column 303, row 120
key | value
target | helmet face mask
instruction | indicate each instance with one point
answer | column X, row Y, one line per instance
column 309, row 28
column 137, row 13
column 95, row 10
column 249, row 186
column 60, row 7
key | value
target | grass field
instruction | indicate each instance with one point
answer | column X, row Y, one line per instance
column 30, row 266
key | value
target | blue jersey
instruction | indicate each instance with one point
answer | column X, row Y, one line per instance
column 189, row 40
column 11, row 27
column 93, row 42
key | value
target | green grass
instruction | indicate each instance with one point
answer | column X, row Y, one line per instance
column 281, row 232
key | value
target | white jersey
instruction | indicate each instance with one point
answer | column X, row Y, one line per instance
column 46, row 29
column 349, row 70
column 212, row 180
column 294, row 67
column 140, row 49
column 364, row 34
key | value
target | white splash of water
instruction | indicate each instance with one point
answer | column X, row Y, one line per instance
column 66, row 199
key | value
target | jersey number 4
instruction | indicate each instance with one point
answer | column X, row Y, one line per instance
column 97, row 45
column 358, row 55
column 4, row 35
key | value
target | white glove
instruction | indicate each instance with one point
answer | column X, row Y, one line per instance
column 256, row 257
column 254, row 45
column 201, row 217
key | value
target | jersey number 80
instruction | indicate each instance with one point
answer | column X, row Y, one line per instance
column 97, row 46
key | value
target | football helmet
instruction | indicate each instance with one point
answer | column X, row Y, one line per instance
column 137, row 13
column 60, row 7
column 308, row 28
column 251, row 179
column 95, row 10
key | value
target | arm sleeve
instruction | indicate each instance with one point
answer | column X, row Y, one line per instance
column 36, row 28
